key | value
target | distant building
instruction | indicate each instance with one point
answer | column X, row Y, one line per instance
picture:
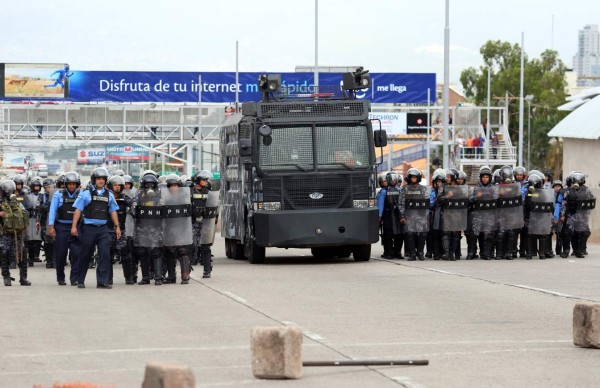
column 456, row 97
column 586, row 63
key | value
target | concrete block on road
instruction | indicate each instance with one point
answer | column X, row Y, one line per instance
column 586, row 325
column 162, row 375
column 276, row 352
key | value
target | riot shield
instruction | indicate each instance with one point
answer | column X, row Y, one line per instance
column 540, row 211
column 484, row 211
column 586, row 202
column 32, row 233
column 177, row 216
column 148, row 229
column 416, row 205
column 510, row 206
column 454, row 208
column 209, row 225
column 129, row 225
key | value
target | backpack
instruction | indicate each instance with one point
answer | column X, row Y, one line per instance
column 15, row 217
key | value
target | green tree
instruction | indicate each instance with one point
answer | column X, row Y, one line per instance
column 544, row 79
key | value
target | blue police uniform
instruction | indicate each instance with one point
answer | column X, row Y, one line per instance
column 95, row 206
column 60, row 216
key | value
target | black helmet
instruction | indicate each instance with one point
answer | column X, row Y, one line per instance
column 99, row 172
column 557, row 182
column 391, row 178
column 35, row 181
column 118, row 173
column 60, row 181
column 496, row 176
column 414, row 172
column 519, row 170
column 453, row 174
column 578, row 178
column 128, row 179
column 8, row 187
column 48, row 182
column 149, row 181
column 116, row 180
column 72, row 177
column 19, row 179
column 506, row 174
column 535, row 181
column 173, row 179
column 203, row 175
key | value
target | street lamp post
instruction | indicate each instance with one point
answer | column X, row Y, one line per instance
column 528, row 98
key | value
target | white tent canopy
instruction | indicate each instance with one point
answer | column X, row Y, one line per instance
column 584, row 121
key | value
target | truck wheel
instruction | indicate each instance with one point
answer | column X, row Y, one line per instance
column 320, row 253
column 343, row 252
column 256, row 254
column 362, row 252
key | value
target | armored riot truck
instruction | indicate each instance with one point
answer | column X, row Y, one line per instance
column 299, row 171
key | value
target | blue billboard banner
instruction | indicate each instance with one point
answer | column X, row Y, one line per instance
column 220, row 87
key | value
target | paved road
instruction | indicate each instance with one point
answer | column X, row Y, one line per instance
column 480, row 323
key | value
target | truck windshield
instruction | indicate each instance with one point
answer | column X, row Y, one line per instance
column 324, row 147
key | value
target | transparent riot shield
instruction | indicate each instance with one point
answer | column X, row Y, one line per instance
column 540, row 211
column 209, row 225
column 177, row 216
column 129, row 217
column 148, row 230
column 510, row 206
column 454, row 209
column 586, row 202
column 416, row 205
column 484, row 211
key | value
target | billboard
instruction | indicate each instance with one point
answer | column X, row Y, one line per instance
column 393, row 123
column 416, row 123
column 132, row 152
column 19, row 159
column 35, row 80
column 90, row 155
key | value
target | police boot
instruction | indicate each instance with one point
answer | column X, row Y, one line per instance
column 171, row 275
column 532, row 241
column 542, row 251
column 388, row 247
column 446, row 247
column 49, row 253
column 158, row 269
column 398, row 242
column 548, row 246
column 145, row 264
column 23, row 274
column 457, row 248
column 499, row 246
column 582, row 245
column 510, row 242
column 421, row 245
column 430, row 244
column 471, row 246
column 127, row 268
column 454, row 241
column 184, row 263
column 566, row 244
column 409, row 246
column 206, row 262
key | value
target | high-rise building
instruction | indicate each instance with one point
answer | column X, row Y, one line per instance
column 587, row 60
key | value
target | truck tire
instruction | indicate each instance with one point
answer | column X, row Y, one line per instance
column 321, row 253
column 343, row 252
column 256, row 254
column 362, row 252
column 228, row 252
column 237, row 250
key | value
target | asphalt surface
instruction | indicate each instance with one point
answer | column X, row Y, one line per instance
column 479, row 323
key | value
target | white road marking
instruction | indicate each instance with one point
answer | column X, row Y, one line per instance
column 116, row 351
column 405, row 381
column 544, row 291
column 235, row 297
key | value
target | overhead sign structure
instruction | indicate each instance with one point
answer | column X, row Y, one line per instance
column 220, row 87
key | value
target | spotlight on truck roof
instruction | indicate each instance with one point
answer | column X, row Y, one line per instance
column 269, row 83
column 360, row 79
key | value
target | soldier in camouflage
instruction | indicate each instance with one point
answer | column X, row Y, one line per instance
column 13, row 221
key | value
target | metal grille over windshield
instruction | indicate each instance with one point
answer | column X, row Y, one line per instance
column 340, row 147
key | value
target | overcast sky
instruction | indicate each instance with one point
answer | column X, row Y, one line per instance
column 275, row 36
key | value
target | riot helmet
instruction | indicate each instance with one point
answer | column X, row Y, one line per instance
column 8, row 187
column 438, row 175
column 149, row 181
column 60, row 181
column 483, row 171
column 116, row 180
column 557, row 182
column 506, row 174
column 149, row 172
column 462, row 175
column 381, row 180
column 19, row 179
column 118, row 173
column 539, row 173
column 202, row 175
column 172, row 180
column 35, row 181
column 577, row 179
column 535, row 181
column 128, row 180
column 391, row 178
column 453, row 174
column 519, row 173
column 162, row 180
column 47, row 182
column 72, row 177
column 496, row 176
column 414, row 172
column 99, row 172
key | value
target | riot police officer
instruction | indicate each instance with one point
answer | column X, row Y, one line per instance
column 14, row 219
column 510, row 213
column 382, row 185
column 483, row 216
column 557, row 185
column 42, row 220
column 414, row 214
column 575, row 214
column 60, row 220
column 520, row 244
column 129, row 191
column 389, row 217
column 97, row 204
column 204, row 209
column 116, row 184
column 148, row 231
column 33, row 238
